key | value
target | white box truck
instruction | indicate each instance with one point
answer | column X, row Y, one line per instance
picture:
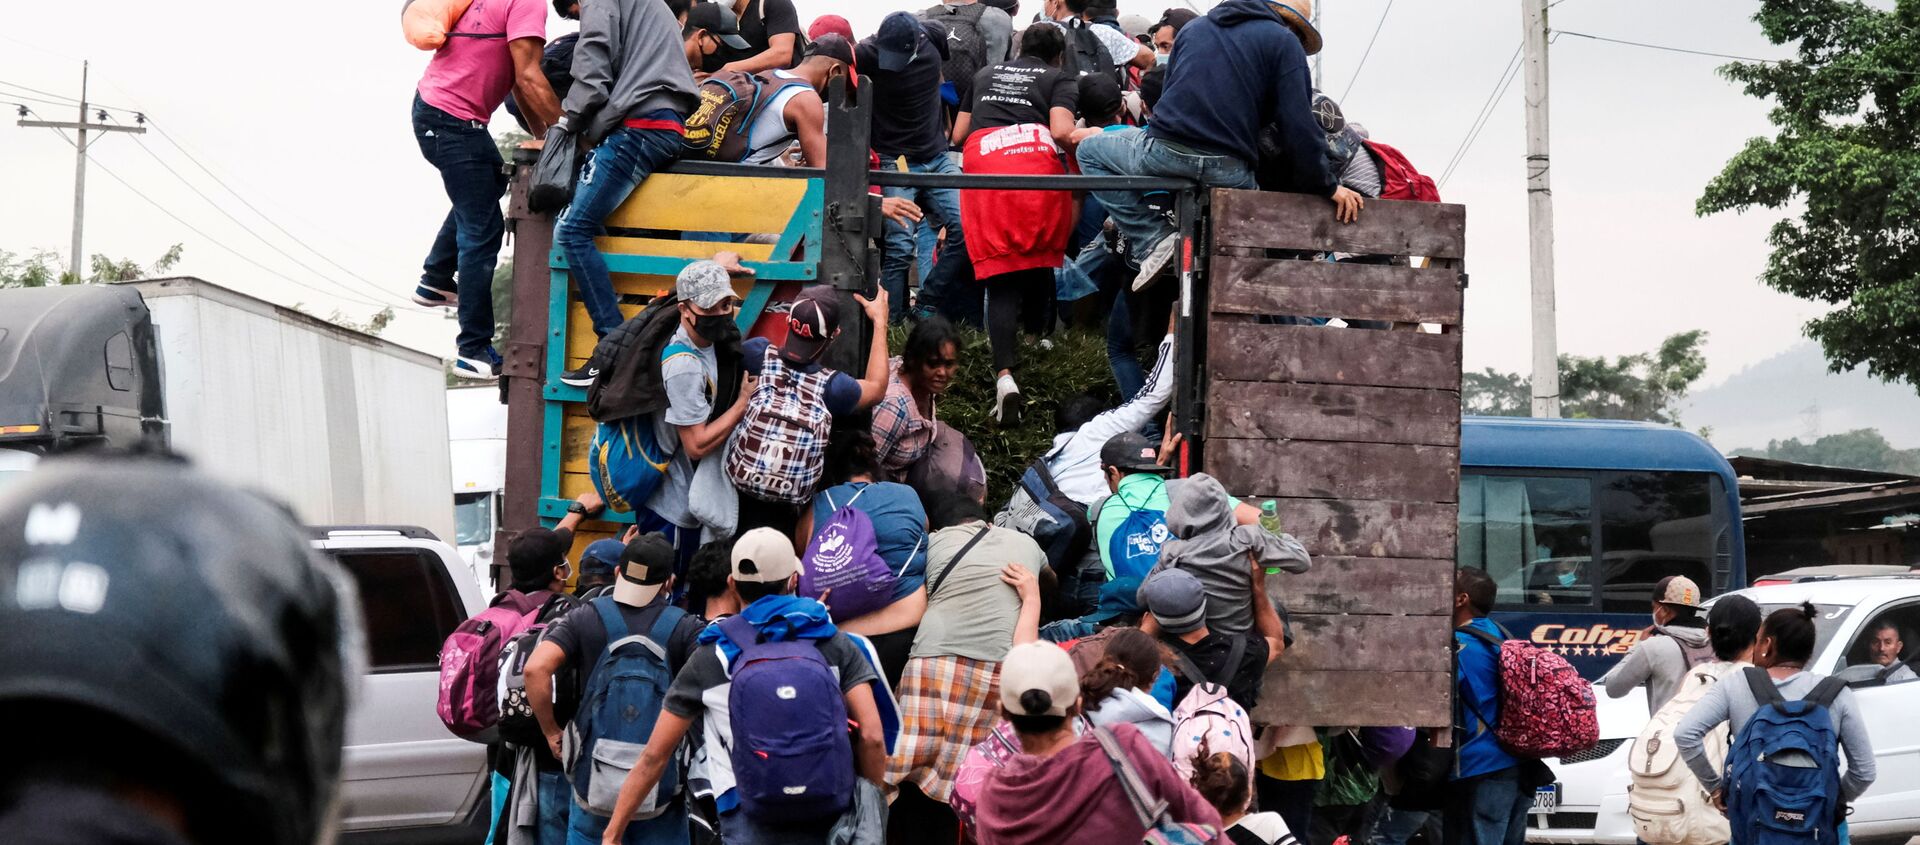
column 477, row 446
column 345, row 427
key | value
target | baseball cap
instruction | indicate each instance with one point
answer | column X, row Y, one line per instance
column 601, row 557
column 1099, row 95
column 1038, row 667
column 764, row 556
column 1118, row 597
column 645, row 565
column 833, row 47
column 810, row 327
column 829, row 25
column 1679, row 590
column 1131, row 452
column 1175, row 18
column 719, row 21
column 703, row 284
column 1733, row 619
column 1134, row 25
column 1176, row 600
column 533, row 552
column 898, row 41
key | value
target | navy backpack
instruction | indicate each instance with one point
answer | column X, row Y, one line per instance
column 624, row 692
column 1783, row 771
column 1135, row 545
column 792, row 759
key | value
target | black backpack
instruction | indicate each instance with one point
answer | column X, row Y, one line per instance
column 628, row 361
column 966, row 47
column 1085, row 54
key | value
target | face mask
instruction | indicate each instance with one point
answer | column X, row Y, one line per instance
column 1567, row 578
column 717, row 328
column 1161, row 58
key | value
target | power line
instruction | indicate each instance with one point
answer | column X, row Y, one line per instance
column 1666, row 48
column 210, row 239
column 1480, row 118
column 62, row 99
column 1368, row 52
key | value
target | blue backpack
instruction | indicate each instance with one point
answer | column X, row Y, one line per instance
column 1783, row 771
column 792, row 759
column 624, row 693
column 625, row 460
column 1134, row 547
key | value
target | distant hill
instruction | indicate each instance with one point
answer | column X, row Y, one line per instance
column 1793, row 395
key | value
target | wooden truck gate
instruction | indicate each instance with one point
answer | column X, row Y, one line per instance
column 1355, row 431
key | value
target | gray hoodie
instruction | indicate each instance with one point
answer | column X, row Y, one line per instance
column 1208, row 543
column 1658, row 662
column 1731, row 702
column 630, row 60
column 1139, row 709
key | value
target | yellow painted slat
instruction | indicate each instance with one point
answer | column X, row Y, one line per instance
column 580, row 336
column 572, row 484
column 577, row 437
column 687, row 203
column 681, row 249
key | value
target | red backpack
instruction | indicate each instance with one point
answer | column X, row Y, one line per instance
column 1398, row 179
column 1546, row 708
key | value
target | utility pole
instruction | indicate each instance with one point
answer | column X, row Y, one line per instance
column 1546, row 345
column 1317, row 83
column 80, row 162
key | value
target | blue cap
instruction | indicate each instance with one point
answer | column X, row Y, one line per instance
column 898, row 41
column 601, row 557
column 1117, row 598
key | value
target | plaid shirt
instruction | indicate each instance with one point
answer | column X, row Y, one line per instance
column 901, row 436
column 947, row 705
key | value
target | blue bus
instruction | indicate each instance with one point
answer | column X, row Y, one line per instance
column 1576, row 520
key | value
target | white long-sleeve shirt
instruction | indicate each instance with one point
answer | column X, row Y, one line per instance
column 1075, row 459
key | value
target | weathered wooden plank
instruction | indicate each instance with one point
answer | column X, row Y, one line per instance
column 1370, row 528
column 1298, row 221
column 1335, row 643
column 684, row 202
column 1367, row 585
column 1320, row 470
column 1273, row 411
column 1334, row 289
column 1248, row 351
column 1356, row 698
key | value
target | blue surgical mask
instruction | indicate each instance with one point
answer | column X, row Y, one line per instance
column 1161, row 58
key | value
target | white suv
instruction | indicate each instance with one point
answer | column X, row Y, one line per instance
column 1593, row 799
column 405, row 777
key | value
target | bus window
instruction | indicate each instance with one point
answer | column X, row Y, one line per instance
column 1654, row 524
column 1533, row 534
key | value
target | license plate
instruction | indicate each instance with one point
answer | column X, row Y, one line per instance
column 1546, row 799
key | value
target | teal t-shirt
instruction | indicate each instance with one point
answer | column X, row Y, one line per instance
column 1139, row 491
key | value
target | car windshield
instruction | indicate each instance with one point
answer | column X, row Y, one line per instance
column 1825, row 623
column 472, row 518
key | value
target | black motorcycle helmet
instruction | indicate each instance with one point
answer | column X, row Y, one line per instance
column 189, row 620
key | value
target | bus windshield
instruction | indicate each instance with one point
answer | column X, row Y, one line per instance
column 1589, row 540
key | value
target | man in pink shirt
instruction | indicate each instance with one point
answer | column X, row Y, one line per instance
column 495, row 47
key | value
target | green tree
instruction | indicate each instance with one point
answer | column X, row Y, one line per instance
column 1861, row 448
column 1847, row 113
column 1644, row 386
column 42, row 268
column 509, row 141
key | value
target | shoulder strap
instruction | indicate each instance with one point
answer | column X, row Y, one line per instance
column 1826, row 691
column 664, row 625
column 864, row 487
column 1762, row 685
column 910, row 555
column 737, row 629
column 952, row 564
column 1886, row 673
column 611, row 619
column 1234, row 654
column 1149, row 812
column 1189, row 670
column 1483, row 636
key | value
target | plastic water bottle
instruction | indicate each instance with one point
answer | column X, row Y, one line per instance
column 1270, row 522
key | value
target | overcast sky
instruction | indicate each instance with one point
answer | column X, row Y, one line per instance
column 304, row 111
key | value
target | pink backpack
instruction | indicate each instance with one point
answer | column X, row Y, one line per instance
column 469, row 702
column 1546, row 708
column 1207, row 720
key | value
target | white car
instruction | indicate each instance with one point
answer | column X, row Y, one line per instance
column 404, row 776
column 1592, row 805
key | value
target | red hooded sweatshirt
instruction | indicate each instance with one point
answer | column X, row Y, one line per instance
column 1074, row 796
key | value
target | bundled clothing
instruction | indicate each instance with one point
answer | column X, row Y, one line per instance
column 1210, row 545
column 948, row 705
column 1009, row 231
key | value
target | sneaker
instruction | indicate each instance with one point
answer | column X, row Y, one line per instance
column 481, row 365
column 435, row 297
column 1156, row 260
column 582, row 377
column 1006, row 402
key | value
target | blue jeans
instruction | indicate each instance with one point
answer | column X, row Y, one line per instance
column 621, row 162
column 926, row 241
column 556, row 805
column 737, row 829
column 1131, row 153
column 1488, row 809
column 668, row 828
column 468, row 245
column 946, row 289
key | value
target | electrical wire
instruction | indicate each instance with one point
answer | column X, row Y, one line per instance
column 1368, row 52
column 1480, row 118
column 1666, row 48
column 62, row 99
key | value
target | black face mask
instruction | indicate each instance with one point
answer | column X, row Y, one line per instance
column 719, row 329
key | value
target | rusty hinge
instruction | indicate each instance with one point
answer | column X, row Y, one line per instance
column 522, row 360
